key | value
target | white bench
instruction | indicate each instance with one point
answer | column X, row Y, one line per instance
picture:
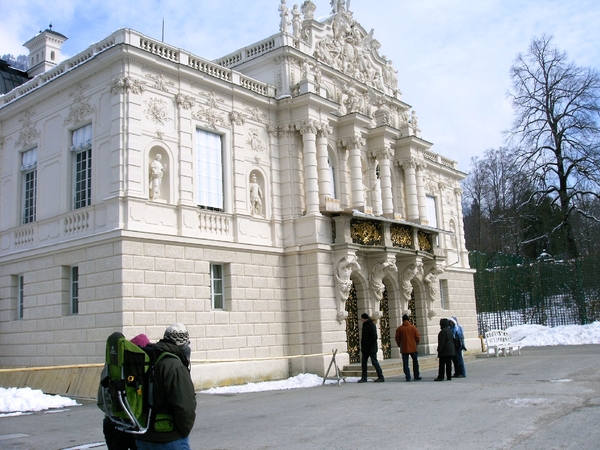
column 499, row 340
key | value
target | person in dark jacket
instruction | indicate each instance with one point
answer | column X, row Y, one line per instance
column 174, row 395
column 368, row 347
column 445, row 350
column 407, row 338
column 460, row 370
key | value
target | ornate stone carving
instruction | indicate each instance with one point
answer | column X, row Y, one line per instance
column 348, row 49
column 185, row 101
column 385, row 152
column 237, row 118
column 80, row 107
column 413, row 122
column 296, row 22
column 212, row 100
column 156, row 110
column 379, row 271
column 352, row 142
column 160, row 82
column 284, row 13
column 308, row 126
column 255, row 114
column 281, row 130
column 254, row 140
column 407, row 275
column 344, row 269
column 308, row 10
column 127, row 84
column 433, row 288
column 212, row 115
column 28, row 133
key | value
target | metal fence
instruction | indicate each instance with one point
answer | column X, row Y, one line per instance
column 547, row 292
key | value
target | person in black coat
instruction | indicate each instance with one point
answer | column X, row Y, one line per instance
column 174, row 395
column 368, row 347
column 445, row 350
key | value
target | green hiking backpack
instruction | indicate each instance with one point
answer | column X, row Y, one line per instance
column 128, row 386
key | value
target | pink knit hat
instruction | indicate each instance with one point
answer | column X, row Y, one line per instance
column 141, row 340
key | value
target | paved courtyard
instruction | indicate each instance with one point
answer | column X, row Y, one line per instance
column 547, row 398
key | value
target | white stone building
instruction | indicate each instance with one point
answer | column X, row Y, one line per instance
column 265, row 200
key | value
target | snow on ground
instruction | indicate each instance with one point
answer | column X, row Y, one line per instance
column 15, row 401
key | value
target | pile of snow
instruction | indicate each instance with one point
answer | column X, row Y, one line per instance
column 14, row 400
column 539, row 335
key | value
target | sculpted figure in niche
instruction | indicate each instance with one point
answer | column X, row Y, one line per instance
column 256, row 196
column 285, row 17
column 156, row 174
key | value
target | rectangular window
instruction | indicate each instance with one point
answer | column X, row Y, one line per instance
column 444, row 294
column 75, row 290
column 29, row 170
column 82, row 164
column 209, row 158
column 20, row 297
column 432, row 211
column 217, row 290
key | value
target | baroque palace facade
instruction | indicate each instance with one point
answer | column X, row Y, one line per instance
column 265, row 200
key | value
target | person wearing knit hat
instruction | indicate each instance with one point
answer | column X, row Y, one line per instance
column 368, row 347
column 141, row 340
column 174, row 393
column 177, row 334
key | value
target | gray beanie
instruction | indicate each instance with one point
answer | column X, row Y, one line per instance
column 177, row 334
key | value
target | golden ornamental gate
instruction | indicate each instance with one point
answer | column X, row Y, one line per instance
column 384, row 324
column 352, row 326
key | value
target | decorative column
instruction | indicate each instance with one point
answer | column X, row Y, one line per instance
column 325, row 189
column 353, row 145
column 423, row 216
column 410, row 177
column 384, row 155
column 308, row 130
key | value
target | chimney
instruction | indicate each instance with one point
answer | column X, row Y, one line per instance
column 44, row 51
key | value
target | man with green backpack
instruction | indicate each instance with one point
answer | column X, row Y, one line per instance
column 151, row 390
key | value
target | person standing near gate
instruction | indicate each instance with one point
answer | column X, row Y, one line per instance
column 460, row 370
column 445, row 350
column 368, row 347
column 407, row 338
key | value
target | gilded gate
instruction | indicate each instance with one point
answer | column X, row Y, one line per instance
column 384, row 324
column 352, row 326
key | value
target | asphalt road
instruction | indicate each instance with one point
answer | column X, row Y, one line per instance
column 547, row 398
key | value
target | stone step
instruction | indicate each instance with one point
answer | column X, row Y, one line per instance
column 393, row 367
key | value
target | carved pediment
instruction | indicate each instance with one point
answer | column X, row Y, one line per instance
column 346, row 46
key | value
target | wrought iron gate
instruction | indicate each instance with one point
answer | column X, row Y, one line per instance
column 352, row 326
column 384, row 324
column 412, row 309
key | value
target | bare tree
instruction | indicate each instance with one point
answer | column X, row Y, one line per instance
column 556, row 106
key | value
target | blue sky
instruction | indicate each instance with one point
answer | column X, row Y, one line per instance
column 453, row 56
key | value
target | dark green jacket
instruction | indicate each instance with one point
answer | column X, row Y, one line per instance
column 173, row 394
